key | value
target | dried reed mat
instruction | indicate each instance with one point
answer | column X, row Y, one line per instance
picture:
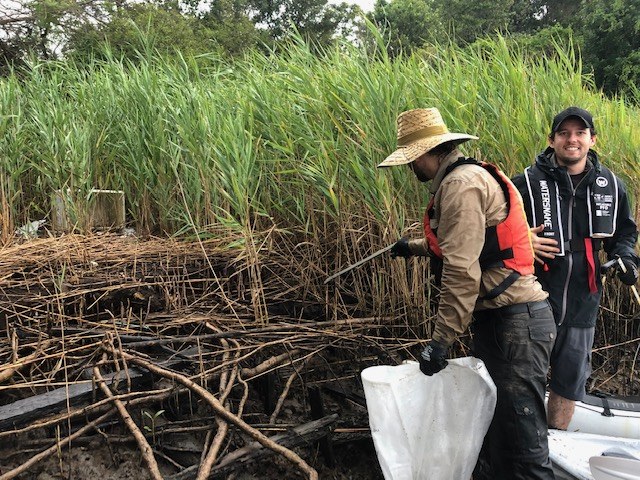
column 167, row 335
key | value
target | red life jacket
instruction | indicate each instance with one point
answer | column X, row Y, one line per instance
column 507, row 244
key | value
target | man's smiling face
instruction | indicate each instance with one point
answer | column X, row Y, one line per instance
column 572, row 141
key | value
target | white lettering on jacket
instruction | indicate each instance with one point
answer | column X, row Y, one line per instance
column 546, row 204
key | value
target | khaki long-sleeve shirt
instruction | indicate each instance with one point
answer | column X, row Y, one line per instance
column 467, row 201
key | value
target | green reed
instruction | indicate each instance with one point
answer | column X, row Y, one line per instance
column 279, row 138
column 285, row 142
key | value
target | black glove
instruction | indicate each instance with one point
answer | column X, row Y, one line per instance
column 630, row 277
column 401, row 249
column 433, row 358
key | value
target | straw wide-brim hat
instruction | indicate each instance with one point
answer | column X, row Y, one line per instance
column 419, row 131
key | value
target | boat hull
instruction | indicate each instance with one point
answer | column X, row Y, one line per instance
column 607, row 416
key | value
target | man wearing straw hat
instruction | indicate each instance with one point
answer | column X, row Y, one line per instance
column 576, row 207
column 478, row 240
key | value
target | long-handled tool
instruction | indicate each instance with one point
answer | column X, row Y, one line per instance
column 359, row 262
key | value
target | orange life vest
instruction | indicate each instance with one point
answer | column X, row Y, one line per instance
column 507, row 244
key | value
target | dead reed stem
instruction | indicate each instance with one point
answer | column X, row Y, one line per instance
column 226, row 415
column 145, row 448
column 58, row 446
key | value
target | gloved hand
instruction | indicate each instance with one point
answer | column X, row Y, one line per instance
column 401, row 249
column 433, row 358
column 630, row 277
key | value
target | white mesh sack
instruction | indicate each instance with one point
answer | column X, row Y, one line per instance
column 429, row 428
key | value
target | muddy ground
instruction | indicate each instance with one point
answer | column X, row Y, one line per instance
column 112, row 454
column 353, row 461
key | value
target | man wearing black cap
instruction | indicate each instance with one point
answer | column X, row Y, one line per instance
column 576, row 206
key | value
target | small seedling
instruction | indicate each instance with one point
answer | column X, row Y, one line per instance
column 153, row 417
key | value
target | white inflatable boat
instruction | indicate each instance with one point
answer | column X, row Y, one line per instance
column 602, row 441
column 607, row 415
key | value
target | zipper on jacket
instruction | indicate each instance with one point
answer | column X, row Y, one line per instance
column 565, row 292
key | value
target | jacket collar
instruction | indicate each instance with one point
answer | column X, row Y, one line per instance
column 442, row 169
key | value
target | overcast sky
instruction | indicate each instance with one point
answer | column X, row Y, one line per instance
column 366, row 5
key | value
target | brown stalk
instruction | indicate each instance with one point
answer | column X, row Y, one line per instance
column 226, row 415
column 285, row 391
column 8, row 370
column 269, row 364
column 145, row 448
column 53, row 449
column 226, row 384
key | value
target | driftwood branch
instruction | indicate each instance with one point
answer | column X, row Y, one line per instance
column 7, row 371
column 145, row 448
column 304, row 434
column 226, row 383
column 226, row 415
column 268, row 364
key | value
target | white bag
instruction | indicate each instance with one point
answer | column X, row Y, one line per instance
column 429, row 428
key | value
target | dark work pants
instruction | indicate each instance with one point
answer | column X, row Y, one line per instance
column 515, row 344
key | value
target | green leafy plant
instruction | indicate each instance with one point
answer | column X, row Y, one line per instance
column 152, row 426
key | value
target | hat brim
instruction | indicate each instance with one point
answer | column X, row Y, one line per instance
column 567, row 117
column 411, row 152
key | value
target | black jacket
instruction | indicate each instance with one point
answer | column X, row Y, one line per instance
column 566, row 277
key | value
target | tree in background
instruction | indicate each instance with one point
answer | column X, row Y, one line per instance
column 469, row 20
column 410, row 24
column 141, row 29
column 315, row 20
column 560, row 12
column 606, row 32
column 229, row 23
column 48, row 28
column 41, row 26
column 610, row 31
column 407, row 24
column 527, row 16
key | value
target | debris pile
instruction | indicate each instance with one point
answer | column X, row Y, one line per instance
column 179, row 348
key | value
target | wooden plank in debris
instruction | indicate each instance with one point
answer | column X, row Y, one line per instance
column 23, row 411
column 236, row 461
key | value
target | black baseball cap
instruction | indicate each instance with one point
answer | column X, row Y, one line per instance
column 577, row 112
